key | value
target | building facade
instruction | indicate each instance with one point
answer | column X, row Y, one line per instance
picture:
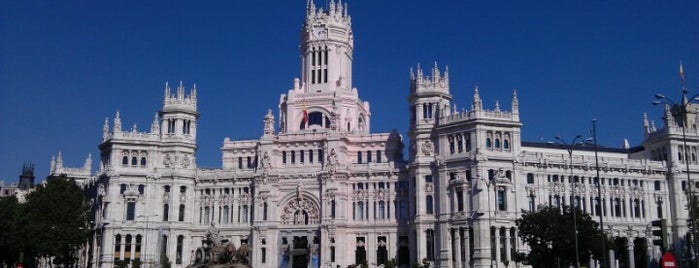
column 319, row 189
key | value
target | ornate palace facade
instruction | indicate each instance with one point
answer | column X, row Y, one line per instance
column 319, row 189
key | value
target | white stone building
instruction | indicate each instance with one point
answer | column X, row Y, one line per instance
column 319, row 189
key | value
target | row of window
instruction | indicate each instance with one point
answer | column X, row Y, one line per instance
column 369, row 157
column 224, row 215
column 457, row 142
column 303, row 156
column 128, row 247
column 137, row 158
column 617, row 205
column 171, row 126
column 319, row 66
column 131, row 212
column 360, row 251
column 381, row 210
column 595, row 181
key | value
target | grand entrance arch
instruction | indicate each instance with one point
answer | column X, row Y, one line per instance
column 299, row 235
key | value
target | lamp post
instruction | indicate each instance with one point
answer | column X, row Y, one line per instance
column 145, row 234
column 570, row 147
column 599, row 196
column 681, row 110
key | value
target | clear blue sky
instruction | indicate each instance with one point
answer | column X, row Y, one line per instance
column 65, row 66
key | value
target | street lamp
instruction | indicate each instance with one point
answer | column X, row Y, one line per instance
column 681, row 110
column 599, row 196
column 570, row 147
column 145, row 233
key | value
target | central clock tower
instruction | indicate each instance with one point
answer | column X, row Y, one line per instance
column 326, row 48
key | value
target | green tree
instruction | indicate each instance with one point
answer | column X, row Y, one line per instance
column 548, row 232
column 56, row 220
column 10, row 242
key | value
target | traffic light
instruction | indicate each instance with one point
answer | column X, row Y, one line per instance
column 660, row 233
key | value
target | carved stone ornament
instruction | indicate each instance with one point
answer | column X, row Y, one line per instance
column 168, row 160
column 265, row 164
column 427, row 148
column 332, row 161
column 300, row 211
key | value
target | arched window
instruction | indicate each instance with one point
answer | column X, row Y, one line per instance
column 125, row 160
column 117, row 247
column 316, row 118
column 360, row 210
column 488, row 143
column 361, row 124
column 134, row 161
column 207, row 215
column 497, row 143
column 506, row 144
column 127, row 247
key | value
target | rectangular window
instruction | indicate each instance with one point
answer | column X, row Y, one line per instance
column 293, row 157
column 428, row 178
column 320, row 155
column 302, row 156
column 359, row 157
column 460, row 200
column 284, row 157
column 429, row 237
column 310, row 156
column 368, row 156
column 501, row 200
column 378, row 156
column 263, row 254
column 166, row 212
column 130, row 211
column 181, row 214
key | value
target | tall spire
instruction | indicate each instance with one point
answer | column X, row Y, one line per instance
column 117, row 123
column 515, row 101
column 310, row 8
column 193, row 92
column 105, row 129
column 180, row 91
column 646, row 125
column 155, row 126
column 477, row 103
column 167, row 91
column 88, row 162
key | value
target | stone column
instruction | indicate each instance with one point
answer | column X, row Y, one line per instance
column 457, row 248
column 467, row 248
column 496, row 244
column 629, row 247
column 508, row 246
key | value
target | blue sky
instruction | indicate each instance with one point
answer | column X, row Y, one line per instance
column 64, row 67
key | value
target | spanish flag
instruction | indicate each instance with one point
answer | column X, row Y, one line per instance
column 305, row 114
column 681, row 74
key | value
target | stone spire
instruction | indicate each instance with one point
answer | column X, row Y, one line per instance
column 105, row 129
column 155, row 126
column 180, row 91
column 166, row 96
column 269, row 123
column 117, row 123
column 477, row 102
column 515, row 102
column 646, row 125
column 193, row 93
column 88, row 162
column 669, row 120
